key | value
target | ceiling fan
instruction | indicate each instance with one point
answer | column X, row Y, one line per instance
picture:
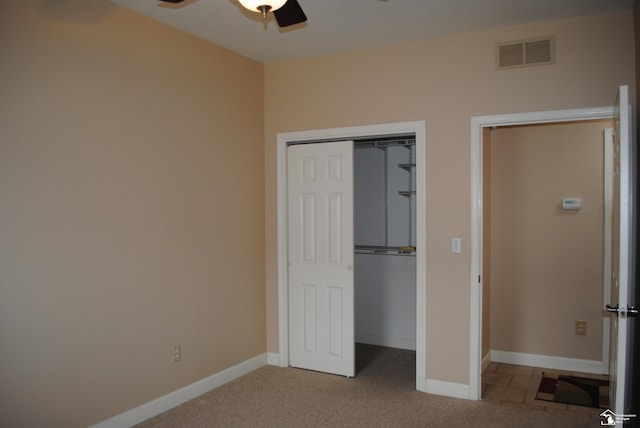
column 287, row 12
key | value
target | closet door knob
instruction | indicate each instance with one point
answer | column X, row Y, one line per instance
column 349, row 267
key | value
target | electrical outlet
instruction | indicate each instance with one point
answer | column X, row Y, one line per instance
column 177, row 354
column 581, row 328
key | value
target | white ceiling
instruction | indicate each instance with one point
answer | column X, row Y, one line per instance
column 342, row 25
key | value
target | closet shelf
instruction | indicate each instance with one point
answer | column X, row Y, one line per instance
column 407, row 166
column 382, row 250
column 407, row 193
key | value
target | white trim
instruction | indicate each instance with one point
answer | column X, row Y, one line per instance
column 486, row 360
column 417, row 128
column 421, row 384
column 475, row 310
column 421, row 253
column 477, row 124
column 606, row 277
column 547, row 362
column 283, row 244
column 273, row 359
column 593, row 113
column 448, row 389
column 175, row 398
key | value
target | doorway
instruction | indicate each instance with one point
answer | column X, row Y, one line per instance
column 336, row 134
column 479, row 127
column 543, row 275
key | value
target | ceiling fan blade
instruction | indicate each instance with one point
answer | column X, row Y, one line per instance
column 172, row 1
column 290, row 14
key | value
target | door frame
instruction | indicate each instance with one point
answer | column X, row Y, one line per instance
column 477, row 125
column 348, row 133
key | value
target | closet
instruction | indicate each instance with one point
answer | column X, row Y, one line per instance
column 385, row 236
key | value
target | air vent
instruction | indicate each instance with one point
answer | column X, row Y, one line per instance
column 525, row 53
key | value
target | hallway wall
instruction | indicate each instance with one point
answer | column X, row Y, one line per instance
column 546, row 262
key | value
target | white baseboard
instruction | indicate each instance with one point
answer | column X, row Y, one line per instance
column 448, row 389
column 273, row 359
column 485, row 361
column 175, row 398
column 547, row 362
column 388, row 341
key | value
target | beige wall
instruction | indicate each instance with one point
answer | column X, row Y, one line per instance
column 443, row 81
column 131, row 171
column 547, row 263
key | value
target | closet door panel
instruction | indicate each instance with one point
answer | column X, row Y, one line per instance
column 321, row 311
column 308, row 227
column 334, row 228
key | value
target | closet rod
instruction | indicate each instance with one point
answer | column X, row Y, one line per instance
column 383, row 143
column 397, row 140
column 385, row 251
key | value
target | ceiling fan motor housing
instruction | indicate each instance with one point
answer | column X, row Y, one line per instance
column 287, row 12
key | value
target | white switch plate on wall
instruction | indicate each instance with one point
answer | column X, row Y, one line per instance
column 456, row 245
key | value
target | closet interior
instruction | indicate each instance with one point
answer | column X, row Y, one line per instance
column 385, row 239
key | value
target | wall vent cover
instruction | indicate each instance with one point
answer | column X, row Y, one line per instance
column 525, row 53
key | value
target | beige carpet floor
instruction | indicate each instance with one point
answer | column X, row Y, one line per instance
column 381, row 395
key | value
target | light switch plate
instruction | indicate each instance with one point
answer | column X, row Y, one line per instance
column 456, row 245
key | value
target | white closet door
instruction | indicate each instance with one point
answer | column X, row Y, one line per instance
column 321, row 292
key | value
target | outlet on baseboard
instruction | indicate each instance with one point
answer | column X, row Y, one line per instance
column 177, row 354
column 581, row 328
